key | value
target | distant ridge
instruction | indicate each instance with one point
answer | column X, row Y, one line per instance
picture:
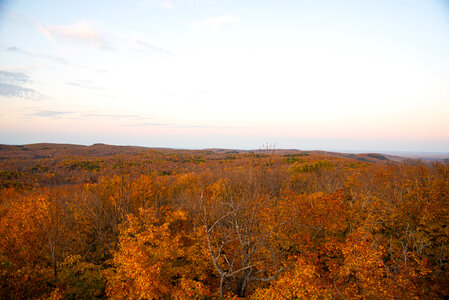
column 53, row 150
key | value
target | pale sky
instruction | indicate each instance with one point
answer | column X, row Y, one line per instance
column 331, row 75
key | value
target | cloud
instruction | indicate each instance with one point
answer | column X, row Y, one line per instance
column 77, row 115
column 12, row 15
column 86, row 34
column 37, row 55
column 80, row 32
column 111, row 116
column 138, row 44
column 86, row 84
column 48, row 57
column 11, row 86
column 216, row 23
column 161, row 3
column 99, row 70
column 149, row 124
column 49, row 113
column 12, row 49
column 171, row 125
column 26, row 68
column 13, row 77
column 139, row 120
column 196, row 25
column 16, row 91
column 166, row 4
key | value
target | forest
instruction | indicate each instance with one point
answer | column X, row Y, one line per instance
column 120, row 222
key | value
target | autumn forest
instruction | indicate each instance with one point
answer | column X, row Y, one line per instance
column 121, row 222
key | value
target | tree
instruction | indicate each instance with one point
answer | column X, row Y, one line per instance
column 239, row 224
column 159, row 256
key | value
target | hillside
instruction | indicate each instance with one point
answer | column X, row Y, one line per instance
column 102, row 221
column 49, row 150
column 42, row 164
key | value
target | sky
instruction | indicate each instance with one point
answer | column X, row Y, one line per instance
column 331, row 75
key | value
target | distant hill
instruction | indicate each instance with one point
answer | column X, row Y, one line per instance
column 429, row 156
column 50, row 150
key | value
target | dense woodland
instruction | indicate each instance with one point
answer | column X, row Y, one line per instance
column 80, row 222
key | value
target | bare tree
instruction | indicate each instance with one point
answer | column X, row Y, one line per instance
column 239, row 235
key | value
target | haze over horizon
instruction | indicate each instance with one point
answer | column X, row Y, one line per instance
column 352, row 75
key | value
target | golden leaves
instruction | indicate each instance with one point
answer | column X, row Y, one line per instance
column 157, row 257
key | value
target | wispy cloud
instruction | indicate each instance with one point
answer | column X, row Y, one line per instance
column 37, row 55
column 218, row 22
column 80, row 32
column 11, row 86
column 126, row 120
column 138, row 44
column 161, row 3
column 170, row 125
column 141, row 120
column 25, row 68
column 99, row 70
column 151, row 124
column 47, row 57
column 77, row 115
column 16, row 18
column 111, row 116
column 85, row 84
column 215, row 23
column 49, row 113
column 86, row 34
column 13, row 77
column 16, row 91
column 166, row 4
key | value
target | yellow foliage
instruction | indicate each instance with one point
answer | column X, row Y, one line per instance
column 158, row 256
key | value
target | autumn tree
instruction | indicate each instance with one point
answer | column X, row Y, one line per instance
column 159, row 256
column 239, row 222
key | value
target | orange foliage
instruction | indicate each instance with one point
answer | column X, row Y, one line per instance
column 127, row 222
column 159, row 257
